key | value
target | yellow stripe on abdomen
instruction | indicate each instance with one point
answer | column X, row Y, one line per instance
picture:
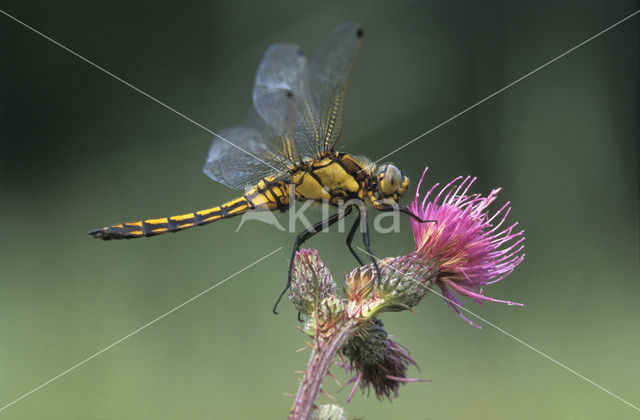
column 152, row 227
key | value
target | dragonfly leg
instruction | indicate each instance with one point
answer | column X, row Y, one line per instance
column 302, row 237
column 352, row 232
column 405, row 210
column 367, row 243
column 415, row 216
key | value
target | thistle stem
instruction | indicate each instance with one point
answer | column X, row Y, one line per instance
column 326, row 347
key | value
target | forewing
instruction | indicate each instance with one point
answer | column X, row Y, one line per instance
column 328, row 71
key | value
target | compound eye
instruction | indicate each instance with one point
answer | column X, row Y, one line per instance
column 390, row 180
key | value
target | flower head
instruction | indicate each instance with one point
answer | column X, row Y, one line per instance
column 468, row 246
column 405, row 280
column 379, row 362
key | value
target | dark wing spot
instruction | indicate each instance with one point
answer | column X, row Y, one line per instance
column 360, row 33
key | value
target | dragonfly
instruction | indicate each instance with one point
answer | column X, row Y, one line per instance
column 285, row 151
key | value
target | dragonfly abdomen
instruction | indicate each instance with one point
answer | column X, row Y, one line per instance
column 153, row 227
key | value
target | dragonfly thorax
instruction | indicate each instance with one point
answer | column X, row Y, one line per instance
column 335, row 177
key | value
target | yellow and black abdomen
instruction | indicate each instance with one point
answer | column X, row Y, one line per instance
column 152, row 227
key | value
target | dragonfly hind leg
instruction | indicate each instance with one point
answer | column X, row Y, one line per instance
column 302, row 237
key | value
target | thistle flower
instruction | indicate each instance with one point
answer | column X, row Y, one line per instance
column 379, row 362
column 461, row 248
column 467, row 245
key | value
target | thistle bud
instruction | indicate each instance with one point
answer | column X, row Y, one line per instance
column 311, row 281
column 328, row 313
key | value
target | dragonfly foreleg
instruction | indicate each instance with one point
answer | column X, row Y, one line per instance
column 415, row 216
column 404, row 210
column 302, row 237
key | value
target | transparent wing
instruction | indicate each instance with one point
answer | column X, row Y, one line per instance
column 264, row 144
column 298, row 111
column 278, row 83
column 244, row 162
column 328, row 74
column 277, row 80
column 312, row 124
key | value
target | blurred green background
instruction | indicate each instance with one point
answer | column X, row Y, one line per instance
column 81, row 150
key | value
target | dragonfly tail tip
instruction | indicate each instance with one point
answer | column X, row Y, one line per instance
column 99, row 234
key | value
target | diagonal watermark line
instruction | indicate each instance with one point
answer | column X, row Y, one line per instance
column 135, row 88
column 506, row 87
column 138, row 330
column 510, row 335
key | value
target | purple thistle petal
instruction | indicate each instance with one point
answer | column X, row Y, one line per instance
column 478, row 297
column 358, row 377
column 471, row 251
column 406, row 380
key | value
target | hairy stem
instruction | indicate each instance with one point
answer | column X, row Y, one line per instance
column 319, row 363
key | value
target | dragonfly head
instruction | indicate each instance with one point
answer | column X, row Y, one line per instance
column 391, row 183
